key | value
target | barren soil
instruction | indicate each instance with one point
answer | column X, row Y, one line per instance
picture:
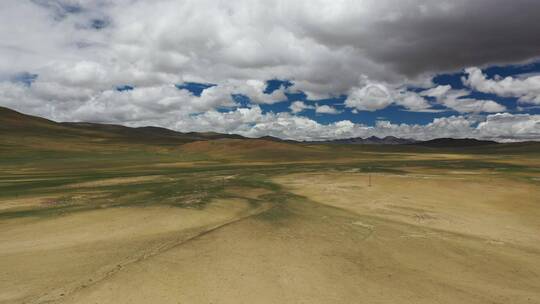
column 325, row 236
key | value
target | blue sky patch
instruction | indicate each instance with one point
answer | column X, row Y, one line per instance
column 194, row 87
column 25, row 78
column 242, row 100
column 512, row 70
column 275, row 84
column 99, row 24
column 124, row 88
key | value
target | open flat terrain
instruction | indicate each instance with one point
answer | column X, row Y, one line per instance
column 123, row 220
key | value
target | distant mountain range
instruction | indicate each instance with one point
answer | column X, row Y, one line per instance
column 392, row 140
column 16, row 125
column 373, row 140
column 453, row 142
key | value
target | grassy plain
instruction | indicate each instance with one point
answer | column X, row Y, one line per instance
column 95, row 217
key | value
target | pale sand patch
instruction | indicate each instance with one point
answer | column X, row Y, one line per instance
column 313, row 254
column 429, row 156
column 25, row 202
column 46, row 201
column 44, row 258
column 115, row 181
column 182, row 164
column 501, row 209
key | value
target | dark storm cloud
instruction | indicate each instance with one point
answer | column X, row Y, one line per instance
column 414, row 37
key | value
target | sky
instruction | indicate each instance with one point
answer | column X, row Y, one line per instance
column 302, row 69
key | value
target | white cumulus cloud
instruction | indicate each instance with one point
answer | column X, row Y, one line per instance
column 326, row 109
column 369, row 50
column 526, row 89
column 458, row 100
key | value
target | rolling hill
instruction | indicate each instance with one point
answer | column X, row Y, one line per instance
column 21, row 130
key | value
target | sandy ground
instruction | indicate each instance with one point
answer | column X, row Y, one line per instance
column 116, row 181
column 25, row 203
column 45, row 259
column 437, row 238
column 306, row 253
column 468, row 203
